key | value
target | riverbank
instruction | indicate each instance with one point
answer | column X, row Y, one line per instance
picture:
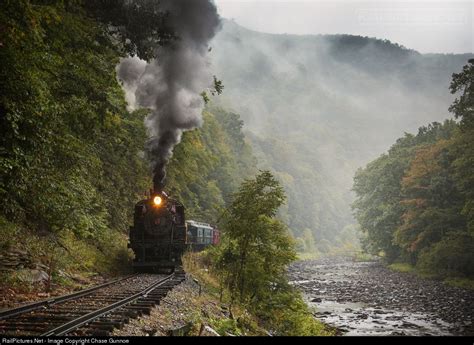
column 366, row 298
column 199, row 307
column 464, row 283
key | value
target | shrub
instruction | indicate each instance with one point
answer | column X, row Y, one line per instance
column 451, row 256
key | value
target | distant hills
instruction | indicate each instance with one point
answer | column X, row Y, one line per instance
column 317, row 107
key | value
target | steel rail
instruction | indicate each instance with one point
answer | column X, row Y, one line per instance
column 78, row 322
column 59, row 299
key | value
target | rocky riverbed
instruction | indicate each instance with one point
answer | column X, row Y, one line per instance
column 365, row 298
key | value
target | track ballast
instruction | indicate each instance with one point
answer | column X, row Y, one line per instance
column 95, row 311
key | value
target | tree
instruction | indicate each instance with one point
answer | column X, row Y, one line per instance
column 417, row 202
column 463, row 106
column 208, row 165
column 253, row 257
column 70, row 158
column 380, row 205
column 140, row 25
column 256, row 248
column 432, row 203
column 377, row 206
column 463, row 148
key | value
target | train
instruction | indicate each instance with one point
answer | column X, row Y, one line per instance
column 201, row 235
column 160, row 234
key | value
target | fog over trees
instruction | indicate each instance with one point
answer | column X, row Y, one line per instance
column 316, row 108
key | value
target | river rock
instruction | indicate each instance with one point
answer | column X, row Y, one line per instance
column 390, row 296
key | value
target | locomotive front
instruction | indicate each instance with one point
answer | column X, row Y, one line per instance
column 158, row 234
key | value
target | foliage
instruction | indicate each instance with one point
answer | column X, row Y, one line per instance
column 256, row 247
column 463, row 149
column 217, row 89
column 451, row 256
column 402, row 267
column 71, row 155
column 70, row 149
column 464, row 283
column 240, row 321
column 252, row 259
column 208, row 164
column 290, row 317
column 70, row 152
column 463, row 166
column 140, row 25
column 463, row 106
column 317, row 107
column 416, row 203
column 9, row 234
column 223, row 326
column 432, row 203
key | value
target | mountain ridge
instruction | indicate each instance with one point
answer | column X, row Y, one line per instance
column 328, row 104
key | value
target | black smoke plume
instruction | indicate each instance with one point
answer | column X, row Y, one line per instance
column 171, row 84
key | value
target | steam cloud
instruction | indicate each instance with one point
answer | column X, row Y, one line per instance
column 171, row 84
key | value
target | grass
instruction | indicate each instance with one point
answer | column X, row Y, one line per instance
column 241, row 322
column 464, row 283
column 362, row 257
column 64, row 253
column 402, row 267
column 293, row 320
column 308, row 256
column 357, row 256
column 193, row 263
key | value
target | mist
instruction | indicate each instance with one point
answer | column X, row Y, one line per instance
column 317, row 107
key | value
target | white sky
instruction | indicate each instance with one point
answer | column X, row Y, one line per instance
column 424, row 25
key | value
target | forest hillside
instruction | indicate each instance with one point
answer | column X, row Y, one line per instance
column 72, row 156
column 415, row 203
column 318, row 107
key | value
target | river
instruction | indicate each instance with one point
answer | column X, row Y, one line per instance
column 366, row 298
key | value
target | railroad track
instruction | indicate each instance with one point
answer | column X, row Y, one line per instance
column 94, row 311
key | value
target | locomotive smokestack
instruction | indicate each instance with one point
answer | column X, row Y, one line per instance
column 171, row 84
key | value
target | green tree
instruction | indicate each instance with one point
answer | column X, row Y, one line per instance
column 253, row 257
column 309, row 241
column 463, row 148
column 208, row 165
column 256, row 248
column 463, row 106
column 70, row 152
column 379, row 206
column 432, row 202
column 140, row 25
column 430, row 195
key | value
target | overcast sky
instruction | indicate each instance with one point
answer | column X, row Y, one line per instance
column 426, row 26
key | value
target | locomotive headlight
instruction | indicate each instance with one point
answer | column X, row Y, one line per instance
column 157, row 200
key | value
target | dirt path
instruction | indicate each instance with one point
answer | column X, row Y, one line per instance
column 365, row 298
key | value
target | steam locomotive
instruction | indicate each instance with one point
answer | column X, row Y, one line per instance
column 160, row 234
